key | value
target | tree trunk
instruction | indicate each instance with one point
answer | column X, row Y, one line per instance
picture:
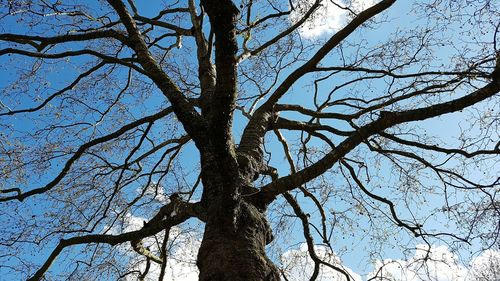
column 235, row 249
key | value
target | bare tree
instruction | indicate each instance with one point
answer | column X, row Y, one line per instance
column 186, row 112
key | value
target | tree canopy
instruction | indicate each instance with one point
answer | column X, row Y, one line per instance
column 131, row 131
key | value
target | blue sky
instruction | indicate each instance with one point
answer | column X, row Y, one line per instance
column 401, row 18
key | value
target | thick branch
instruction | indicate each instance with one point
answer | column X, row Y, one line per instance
column 74, row 37
column 312, row 113
column 282, row 123
column 81, row 150
column 206, row 70
column 183, row 109
column 222, row 16
column 125, row 61
column 253, row 135
column 169, row 215
column 388, row 119
column 177, row 29
column 139, row 248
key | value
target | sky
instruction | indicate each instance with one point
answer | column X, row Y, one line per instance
column 440, row 265
column 443, row 265
column 327, row 19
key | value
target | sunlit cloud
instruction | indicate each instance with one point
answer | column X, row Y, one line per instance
column 181, row 260
column 436, row 263
column 298, row 265
column 485, row 267
column 329, row 17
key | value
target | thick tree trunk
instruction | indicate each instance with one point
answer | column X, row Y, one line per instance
column 236, row 250
column 236, row 232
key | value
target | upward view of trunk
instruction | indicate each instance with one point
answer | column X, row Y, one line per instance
column 236, row 232
column 237, row 253
column 152, row 140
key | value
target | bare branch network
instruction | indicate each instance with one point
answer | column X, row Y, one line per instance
column 359, row 128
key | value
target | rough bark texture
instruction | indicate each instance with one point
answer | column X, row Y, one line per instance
column 231, row 206
column 228, row 253
column 236, row 232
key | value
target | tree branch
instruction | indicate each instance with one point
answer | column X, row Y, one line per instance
column 436, row 148
column 66, row 38
column 125, row 61
column 253, row 135
column 249, row 53
column 386, row 120
column 169, row 215
column 193, row 123
column 81, row 150
column 58, row 93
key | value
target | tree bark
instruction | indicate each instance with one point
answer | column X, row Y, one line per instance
column 236, row 232
column 236, row 251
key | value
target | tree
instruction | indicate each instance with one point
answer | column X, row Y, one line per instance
column 106, row 104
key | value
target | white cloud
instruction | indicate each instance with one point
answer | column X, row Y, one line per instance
column 156, row 191
column 181, row 260
column 328, row 18
column 485, row 267
column 435, row 264
column 132, row 223
column 299, row 266
column 438, row 264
